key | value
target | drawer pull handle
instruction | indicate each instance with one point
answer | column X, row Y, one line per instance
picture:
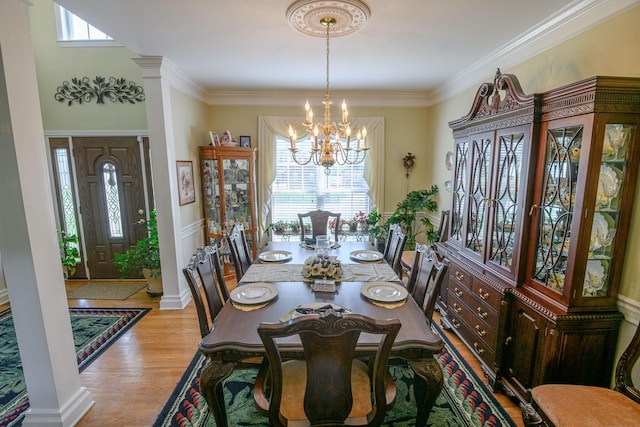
column 482, row 314
column 484, row 295
column 457, row 308
column 477, row 348
column 459, row 276
column 458, row 292
column 480, row 332
column 455, row 323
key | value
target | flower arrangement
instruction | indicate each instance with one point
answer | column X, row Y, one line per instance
column 332, row 223
column 322, row 267
column 360, row 218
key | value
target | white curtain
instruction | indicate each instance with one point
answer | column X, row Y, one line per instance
column 271, row 126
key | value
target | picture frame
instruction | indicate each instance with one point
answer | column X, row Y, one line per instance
column 186, row 185
column 245, row 141
column 214, row 138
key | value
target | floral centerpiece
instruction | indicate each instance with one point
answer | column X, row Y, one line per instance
column 322, row 268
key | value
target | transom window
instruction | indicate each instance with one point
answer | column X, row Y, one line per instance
column 71, row 28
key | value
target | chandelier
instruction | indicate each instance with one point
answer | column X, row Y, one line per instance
column 331, row 142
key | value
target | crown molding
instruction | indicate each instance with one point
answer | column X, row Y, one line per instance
column 570, row 21
column 297, row 97
column 162, row 67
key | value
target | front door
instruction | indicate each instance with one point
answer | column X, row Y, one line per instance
column 111, row 197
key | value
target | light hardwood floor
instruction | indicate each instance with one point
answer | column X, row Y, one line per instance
column 131, row 381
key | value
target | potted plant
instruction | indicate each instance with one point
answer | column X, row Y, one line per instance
column 407, row 210
column 69, row 254
column 143, row 258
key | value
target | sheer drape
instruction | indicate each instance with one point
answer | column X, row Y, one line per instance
column 271, row 126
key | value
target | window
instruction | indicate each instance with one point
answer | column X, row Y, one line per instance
column 299, row 189
column 74, row 31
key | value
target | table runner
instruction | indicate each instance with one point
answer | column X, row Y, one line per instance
column 378, row 272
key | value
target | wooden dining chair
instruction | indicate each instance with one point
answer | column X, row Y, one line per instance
column 240, row 254
column 214, row 303
column 427, row 276
column 443, row 228
column 319, row 223
column 396, row 241
column 580, row 405
column 329, row 386
column 211, row 271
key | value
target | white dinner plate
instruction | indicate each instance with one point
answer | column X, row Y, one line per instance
column 366, row 256
column 384, row 291
column 274, row 256
column 254, row 293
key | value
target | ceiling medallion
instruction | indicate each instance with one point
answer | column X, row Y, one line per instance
column 350, row 15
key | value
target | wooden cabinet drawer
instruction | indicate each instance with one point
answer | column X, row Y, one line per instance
column 459, row 275
column 479, row 328
column 477, row 325
column 477, row 345
column 483, row 311
column 486, row 293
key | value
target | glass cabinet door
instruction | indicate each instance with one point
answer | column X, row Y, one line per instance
column 237, row 192
column 459, row 190
column 482, row 147
column 505, row 202
column 610, row 192
column 556, row 207
column 212, row 196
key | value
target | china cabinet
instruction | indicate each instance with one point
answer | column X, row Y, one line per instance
column 538, row 229
column 563, row 320
column 492, row 162
column 229, row 195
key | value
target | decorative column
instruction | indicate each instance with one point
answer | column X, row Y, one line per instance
column 156, row 72
column 28, row 238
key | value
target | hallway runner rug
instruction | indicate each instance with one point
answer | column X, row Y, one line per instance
column 465, row 401
column 94, row 330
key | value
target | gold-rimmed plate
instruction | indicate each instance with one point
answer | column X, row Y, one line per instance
column 366, row 256
column 254, row 293
column 274, row 256
column 384, row 291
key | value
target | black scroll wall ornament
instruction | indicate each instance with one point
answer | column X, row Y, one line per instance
column 81, row 90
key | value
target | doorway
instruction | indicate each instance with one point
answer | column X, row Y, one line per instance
column 102, row 190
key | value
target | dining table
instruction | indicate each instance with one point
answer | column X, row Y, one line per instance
column 278, row 267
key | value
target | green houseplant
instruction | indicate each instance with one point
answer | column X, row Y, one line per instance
column 143, row 258
column 406, row 213
column 69, row 254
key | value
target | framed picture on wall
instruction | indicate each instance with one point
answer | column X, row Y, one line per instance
column 186, row 187
column 245, row 141
column 214, row 138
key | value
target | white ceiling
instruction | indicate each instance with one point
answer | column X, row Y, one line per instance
column 419, row 46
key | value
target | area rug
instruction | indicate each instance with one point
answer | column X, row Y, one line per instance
column 465, row 401
column 94, row 330
column 106, row 291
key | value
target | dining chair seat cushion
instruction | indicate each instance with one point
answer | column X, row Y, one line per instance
column 585, row 406
column 294, row 381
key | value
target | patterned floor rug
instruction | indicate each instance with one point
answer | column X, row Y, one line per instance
column 94, row 330
column 465, row 401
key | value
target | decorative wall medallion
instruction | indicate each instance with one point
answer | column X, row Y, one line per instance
column 115, row 89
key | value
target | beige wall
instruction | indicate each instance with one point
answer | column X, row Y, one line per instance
column 406, row 130
column 608, row 49
column 190, row 124
column 55, row 64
